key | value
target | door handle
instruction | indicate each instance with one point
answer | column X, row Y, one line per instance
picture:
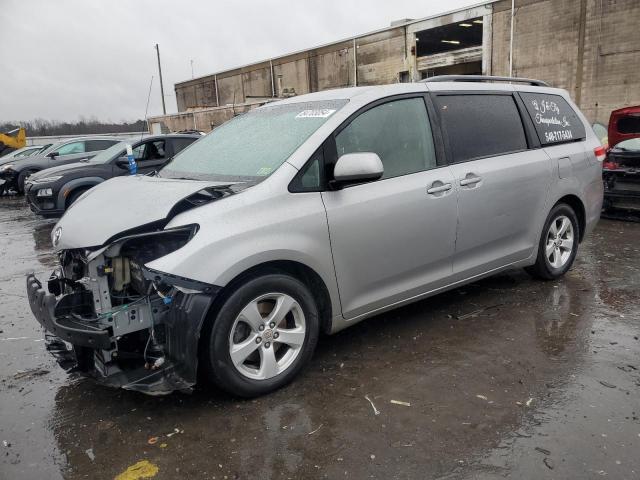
column 470, row 181
column 439, row 189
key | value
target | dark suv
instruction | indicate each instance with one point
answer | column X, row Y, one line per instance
column 53, row 190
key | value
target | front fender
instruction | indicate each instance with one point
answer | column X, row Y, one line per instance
column 72, row 185
column 237, row 234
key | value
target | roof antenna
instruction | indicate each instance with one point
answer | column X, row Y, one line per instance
column 147, row 108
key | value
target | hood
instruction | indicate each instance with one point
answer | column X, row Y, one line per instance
column 123, row 205
column 60, row 170
column 624, row 124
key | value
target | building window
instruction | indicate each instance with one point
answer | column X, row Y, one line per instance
column 447, row 38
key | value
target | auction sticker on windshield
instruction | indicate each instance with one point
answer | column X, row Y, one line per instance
column 317, row 113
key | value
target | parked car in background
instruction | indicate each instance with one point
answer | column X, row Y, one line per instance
column 311, row 214
column 16, row 172
column 15, row 155
column 51, row 191
column 23, row 152
column 621, row 169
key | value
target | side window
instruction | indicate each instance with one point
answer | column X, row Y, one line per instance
column 553, row 118
column 180, row 144
column 97, row 145
column 398, row 131
column 309, row 179
column 138, row 152
column 149, row 151
column 71, row 148
column 481, row 125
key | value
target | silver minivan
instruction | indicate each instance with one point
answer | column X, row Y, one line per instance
column 309, row 215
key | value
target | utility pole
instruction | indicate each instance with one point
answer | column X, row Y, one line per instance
column 513, row 15
column 164, row 108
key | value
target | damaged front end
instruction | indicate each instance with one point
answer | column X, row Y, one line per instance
column 109, row 316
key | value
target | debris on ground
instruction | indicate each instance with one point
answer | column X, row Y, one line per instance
column 90, row 454
column 607, row 384
column 548, row 462
column 482, row 397
column 314, row 431
column 138, row 471
column 375, row 410
column 543, row 450
column 175, row 430
column 475, row 313
column 528, row 404
column 398, row 402
column 34, row 372
column 6, row 444
column 152, row 440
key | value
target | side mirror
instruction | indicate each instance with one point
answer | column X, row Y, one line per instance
column 52, row 155
column 123, row 162
column 353, row 168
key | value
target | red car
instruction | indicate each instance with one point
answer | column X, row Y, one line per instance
column 621, row 168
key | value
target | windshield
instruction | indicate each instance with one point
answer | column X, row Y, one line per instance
column 252, row 146
column 110, row 153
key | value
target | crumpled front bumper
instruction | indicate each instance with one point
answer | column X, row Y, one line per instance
column 43, row 305
column 79, row 344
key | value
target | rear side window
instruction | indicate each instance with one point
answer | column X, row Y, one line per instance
column 398, row 131
column 180, row 144
column 554, row 119
column 481, row 125
column 97, row 145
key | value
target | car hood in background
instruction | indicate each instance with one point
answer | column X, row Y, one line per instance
column 60, row 170
column 20, row 160
column 124, row 204
column 624, row 124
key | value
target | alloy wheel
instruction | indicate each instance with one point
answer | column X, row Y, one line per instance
column 267, row 336
column 560, row 242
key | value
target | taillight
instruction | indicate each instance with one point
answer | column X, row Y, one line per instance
column 600, row 153
column 610, row 165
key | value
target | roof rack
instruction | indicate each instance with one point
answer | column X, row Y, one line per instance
column 484, row 78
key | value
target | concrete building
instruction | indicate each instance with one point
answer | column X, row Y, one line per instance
column 589, row 47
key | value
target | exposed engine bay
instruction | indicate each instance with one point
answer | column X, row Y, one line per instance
column 122, row 323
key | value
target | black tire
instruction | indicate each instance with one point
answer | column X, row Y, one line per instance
column 217, row 357
column 73, row 196
column 22, row 177
column 543, row 269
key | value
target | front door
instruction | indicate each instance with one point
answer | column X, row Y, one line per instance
column 392, row 239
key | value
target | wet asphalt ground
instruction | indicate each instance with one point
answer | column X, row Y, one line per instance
column 505, row 378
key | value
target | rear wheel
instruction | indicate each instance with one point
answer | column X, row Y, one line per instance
column 558, row 244
column 264, row 334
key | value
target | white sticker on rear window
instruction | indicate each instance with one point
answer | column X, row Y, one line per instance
column 317, row 113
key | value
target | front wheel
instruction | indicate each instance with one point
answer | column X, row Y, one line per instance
column 264, row 334
column 22, row 178
column 558, row 244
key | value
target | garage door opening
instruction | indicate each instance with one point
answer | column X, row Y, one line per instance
column 447, row 38
column 469, row 68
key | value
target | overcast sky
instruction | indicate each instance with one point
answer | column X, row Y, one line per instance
column 66, row 58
